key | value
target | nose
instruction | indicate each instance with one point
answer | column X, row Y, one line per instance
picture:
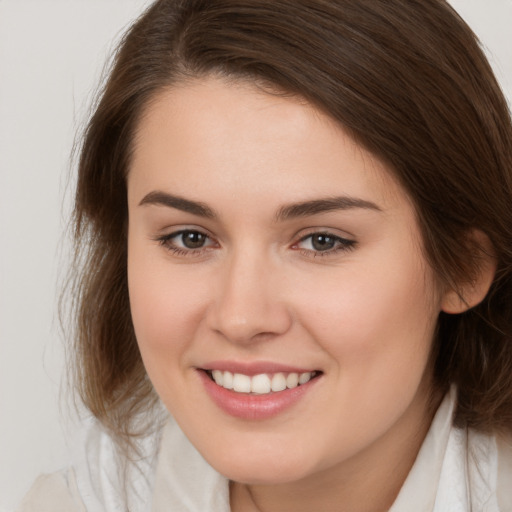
column 249, row 304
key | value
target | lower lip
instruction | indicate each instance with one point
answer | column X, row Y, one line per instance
column 254, row 407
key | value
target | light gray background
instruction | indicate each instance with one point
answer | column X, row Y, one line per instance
column 51, row 56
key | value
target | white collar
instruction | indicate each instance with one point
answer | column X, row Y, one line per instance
column 456, row 470
column 184, row 480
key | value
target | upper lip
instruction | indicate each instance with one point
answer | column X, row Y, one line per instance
column 254, row 367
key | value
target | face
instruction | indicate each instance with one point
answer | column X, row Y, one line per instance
column 280, row 298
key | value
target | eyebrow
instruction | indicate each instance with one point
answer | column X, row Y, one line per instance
column 159, row 198
column 318, row 206
column 290, row 211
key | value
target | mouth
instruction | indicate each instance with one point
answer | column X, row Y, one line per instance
column 259, row 390
column 260, row 384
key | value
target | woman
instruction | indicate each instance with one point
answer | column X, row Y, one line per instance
column 293, row 224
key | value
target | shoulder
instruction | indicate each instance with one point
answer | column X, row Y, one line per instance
column 100, row 476
column 504, row 479
column 56, row 492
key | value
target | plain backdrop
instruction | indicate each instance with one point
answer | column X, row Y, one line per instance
column 52, row 53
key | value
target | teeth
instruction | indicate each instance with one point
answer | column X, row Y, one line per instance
column 292, row 381
column 304, row 377
column 261, row 384
column 218, row 377
column 278, row 382
column 227, row 378
column 241, row 383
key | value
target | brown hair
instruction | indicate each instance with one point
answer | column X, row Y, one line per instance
column 406, row 78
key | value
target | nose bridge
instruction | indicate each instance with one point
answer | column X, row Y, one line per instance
column 249, row 302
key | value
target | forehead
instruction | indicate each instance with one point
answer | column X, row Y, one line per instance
column 217, row 134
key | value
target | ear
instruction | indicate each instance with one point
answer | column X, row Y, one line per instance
column 473, row 292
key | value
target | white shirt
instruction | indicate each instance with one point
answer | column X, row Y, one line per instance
column 456, row 470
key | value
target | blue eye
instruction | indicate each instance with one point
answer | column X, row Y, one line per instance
column 326, row 243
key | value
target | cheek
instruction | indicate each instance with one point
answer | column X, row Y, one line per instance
column 165, row 306
column 377, row 328
column 380, row 316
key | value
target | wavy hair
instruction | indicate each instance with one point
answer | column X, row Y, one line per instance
column 410, row 83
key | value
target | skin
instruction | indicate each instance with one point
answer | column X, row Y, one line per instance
column 362, row 313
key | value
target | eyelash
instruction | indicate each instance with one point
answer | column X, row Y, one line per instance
column 341, row 244
column 166, row 242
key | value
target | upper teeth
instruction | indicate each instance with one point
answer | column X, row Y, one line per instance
column 262, row 383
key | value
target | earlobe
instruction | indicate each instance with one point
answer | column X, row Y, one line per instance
column 473, row 292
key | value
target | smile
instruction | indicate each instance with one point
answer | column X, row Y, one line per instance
column 257, row 392
column 261, row 384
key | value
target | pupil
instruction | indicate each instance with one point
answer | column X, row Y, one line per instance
column 193, row 240
column 322, row 242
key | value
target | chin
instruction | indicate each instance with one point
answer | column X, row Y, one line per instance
column 261, row 470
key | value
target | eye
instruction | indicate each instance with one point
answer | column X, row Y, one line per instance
column 190, row 239
column 186, row 241
column 324, row 243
